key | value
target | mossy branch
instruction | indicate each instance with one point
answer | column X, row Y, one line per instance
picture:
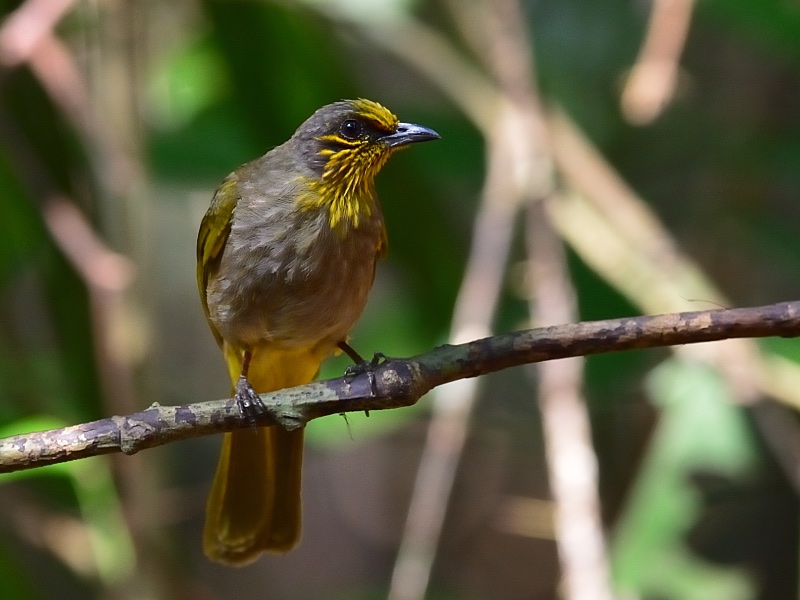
column 398, row 382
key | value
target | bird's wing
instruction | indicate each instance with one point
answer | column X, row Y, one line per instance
column 214, row 230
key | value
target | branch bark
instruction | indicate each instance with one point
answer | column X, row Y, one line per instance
column 398, row 382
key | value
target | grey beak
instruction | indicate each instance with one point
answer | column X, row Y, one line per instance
column 408, row 133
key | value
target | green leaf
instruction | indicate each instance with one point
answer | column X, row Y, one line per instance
column 700, row 429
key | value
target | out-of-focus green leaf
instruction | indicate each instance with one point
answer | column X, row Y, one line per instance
column 700, row 429
column 102, row 512
column 785, row 347
column 185, row 84
column 13, row 583
column 21, row 230
column 283, row 64
column 774, row 23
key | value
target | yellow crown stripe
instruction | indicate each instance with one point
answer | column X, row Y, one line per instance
column 379, row 115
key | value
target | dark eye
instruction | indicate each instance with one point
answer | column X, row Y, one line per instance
column 351, row 129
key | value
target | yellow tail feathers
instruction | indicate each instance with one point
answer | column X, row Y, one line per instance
column 254, row 505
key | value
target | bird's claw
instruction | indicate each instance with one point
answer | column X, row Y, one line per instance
column 248, row 401
column 367, row 367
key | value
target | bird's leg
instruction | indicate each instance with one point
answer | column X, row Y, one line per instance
column 351, row 353
column 248, row 401
column 360, row 365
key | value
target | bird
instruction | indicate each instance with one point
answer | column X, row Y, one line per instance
column 286, row 257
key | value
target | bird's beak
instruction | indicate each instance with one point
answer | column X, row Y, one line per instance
column 408, row 133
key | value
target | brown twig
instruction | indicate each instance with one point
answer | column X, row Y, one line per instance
column 398, row 382
column 571, row 461
column 653, row 79
column 25, row 28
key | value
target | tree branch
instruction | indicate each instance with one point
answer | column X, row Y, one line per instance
column 398, row 382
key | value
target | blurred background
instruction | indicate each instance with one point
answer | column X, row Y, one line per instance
column 598, row 160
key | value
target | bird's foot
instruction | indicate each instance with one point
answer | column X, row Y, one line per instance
column 248, row 401
column 367, row 367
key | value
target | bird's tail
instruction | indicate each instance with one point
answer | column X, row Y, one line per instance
column 254, row 504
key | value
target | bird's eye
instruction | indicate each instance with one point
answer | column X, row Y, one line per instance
column 351, row 129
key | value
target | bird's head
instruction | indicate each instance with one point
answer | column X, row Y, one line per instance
column 346, row 143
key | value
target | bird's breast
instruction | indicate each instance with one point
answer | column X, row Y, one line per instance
column 291, row 280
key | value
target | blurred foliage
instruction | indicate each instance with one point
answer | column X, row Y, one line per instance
column 700, row 430
column 220, row 82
